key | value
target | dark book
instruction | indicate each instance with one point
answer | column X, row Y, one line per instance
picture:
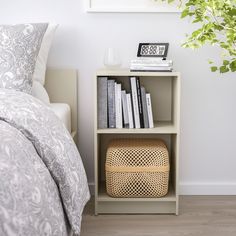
column 144, row 105
column 111, row 103
column 134, row 95
column 102, row 103
column 140, row 107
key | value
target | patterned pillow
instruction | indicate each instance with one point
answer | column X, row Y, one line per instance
column 19, row 47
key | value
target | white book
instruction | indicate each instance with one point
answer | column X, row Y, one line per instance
column 133, row 84
column 130, row 111
column 118, row 106
column 124, row 109
column 149, row 110
column 151, row 68
column 151, row 62
column 151, row 65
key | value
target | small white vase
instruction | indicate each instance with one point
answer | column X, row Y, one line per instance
column 112, row 59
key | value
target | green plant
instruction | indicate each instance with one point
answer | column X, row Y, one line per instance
column 217, row 20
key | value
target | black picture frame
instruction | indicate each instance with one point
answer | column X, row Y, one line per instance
column 153, row 49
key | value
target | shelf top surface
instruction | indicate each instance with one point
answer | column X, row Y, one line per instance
column 127, row 72
column 159, row 128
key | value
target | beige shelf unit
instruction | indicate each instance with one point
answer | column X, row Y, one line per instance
column 164, row 88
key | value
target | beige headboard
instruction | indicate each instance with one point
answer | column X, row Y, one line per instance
column 61, row 85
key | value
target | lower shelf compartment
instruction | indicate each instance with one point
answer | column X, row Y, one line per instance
column 109, row 205
column 136, row 207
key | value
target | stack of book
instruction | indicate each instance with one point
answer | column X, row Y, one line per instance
column 151, row 64
column 118, row 108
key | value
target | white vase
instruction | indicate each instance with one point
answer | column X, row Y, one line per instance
column 112, row 59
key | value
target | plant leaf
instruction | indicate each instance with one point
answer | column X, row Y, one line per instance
column 233, row 66
column 225, row 62
column 214, row 68
column 224, row 69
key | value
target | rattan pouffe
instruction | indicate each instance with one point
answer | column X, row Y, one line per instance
column 137, row 168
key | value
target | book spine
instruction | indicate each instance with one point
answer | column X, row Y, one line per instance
column 144, row 103
column 151, row 65
column 140, row 107
column 135, row 102
column 111, row 104
column 152, row 61
column 146, row 69
column 102, row 103
column 130, row 111
column 118, row 106
column 149, row 109
column 125, row 109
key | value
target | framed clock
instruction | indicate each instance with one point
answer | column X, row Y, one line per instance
column 153, row 49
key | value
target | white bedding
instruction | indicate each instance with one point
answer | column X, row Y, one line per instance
column 63, row 111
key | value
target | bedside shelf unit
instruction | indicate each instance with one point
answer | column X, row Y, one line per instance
column 164, row 88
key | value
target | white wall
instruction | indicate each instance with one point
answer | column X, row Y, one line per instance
column 208, row 143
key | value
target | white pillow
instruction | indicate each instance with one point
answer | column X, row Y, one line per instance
column 40, row 92
column 41, row 62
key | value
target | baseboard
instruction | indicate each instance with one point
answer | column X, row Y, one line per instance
column 198, row 188
column 207, row 188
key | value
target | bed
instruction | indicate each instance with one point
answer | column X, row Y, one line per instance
column 43, row 187
column 61, row 85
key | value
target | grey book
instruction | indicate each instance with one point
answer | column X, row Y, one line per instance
column 118, row 106
column 144, row 105
column 125, row 109
column 102, row 103
column 111, row 103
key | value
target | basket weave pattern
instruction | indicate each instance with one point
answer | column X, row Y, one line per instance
column 137, row 168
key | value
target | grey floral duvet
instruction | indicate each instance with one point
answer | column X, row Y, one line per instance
column 43, row 185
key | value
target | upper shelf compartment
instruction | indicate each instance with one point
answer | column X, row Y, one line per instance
column 164, row 88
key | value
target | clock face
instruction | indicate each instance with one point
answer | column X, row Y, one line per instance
column 153, row 49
